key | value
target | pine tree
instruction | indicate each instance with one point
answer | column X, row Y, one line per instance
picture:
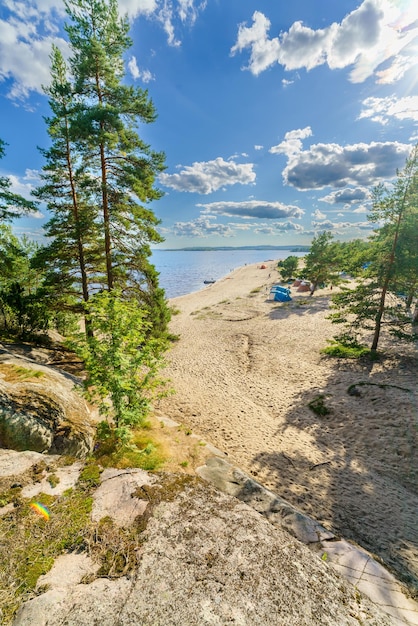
column 122, row 166
column 321, row 263
column 99, row 174
column 12, row 205
column 390, row 285
column 71, row 259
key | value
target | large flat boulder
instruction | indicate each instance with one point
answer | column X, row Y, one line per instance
column 208, row 559
column 41, row 410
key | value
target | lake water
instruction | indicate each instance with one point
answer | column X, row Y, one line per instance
column 183, row 271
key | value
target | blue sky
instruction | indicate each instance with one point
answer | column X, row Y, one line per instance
column 277, row 118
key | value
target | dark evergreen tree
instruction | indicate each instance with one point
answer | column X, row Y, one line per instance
column 389, row 289
column 99, row 175
column 322, row 264
column 122, row 167
column 288, row 267
column 72, row 259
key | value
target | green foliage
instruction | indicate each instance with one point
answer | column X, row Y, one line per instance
column 90, row 475
column 99, row 174
column 23, row 314
column 346, row 351
column 288, row 267
column 352, row 256
column 121, row 360
column 322, row 263
column 317, row 405
column 30, row 543
column 24, row 309
column 142, row 451
column 383, row 298
column 12, row 205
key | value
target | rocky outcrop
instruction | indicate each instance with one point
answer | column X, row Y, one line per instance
column 40, row 410
column 208, row 559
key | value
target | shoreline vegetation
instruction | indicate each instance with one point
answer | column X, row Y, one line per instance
column 335, row 437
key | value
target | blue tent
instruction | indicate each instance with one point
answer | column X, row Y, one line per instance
column 278, row 288
column 281, row 296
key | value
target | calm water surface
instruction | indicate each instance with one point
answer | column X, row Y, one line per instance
column 183, row 271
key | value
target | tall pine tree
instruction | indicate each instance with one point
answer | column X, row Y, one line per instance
column 72, row 259
column 123, row 166
column 107, row 170
column 384, row 298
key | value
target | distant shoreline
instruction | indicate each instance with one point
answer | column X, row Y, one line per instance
column 217, row 248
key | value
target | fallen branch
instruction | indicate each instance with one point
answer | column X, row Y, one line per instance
column 319, row 465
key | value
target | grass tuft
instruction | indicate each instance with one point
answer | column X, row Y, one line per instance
column 353, row 351
column 317, row 405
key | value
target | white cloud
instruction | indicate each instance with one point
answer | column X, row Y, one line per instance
column 292, row 142
column 207, row 176
column 252, row 208
column 274, row 229
column 332, row 165
column 24, row 57
column 264, row 51
column 186, row 11
column 27, row 36
column 347, row 196
column 133, row 8
column 376, row 32
column 383, row 110
column 317, row 215
column 201, row 227
column 329, row 225
column 21, row 188
column 137, row 73
column 257, row 147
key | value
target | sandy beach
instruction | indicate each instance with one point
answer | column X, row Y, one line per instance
column 245, row 369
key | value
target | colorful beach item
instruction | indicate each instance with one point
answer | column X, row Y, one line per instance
column 40, row 509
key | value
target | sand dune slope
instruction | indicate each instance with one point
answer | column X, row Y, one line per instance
column 246, row 368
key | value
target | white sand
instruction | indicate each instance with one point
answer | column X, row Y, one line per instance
column 244, row 370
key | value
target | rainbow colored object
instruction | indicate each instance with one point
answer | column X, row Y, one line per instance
column 40, row 509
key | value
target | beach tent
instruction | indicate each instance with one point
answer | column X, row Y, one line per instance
column 280, row 288
column 281, row 296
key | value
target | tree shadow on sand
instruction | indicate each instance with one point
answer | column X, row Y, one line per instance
column 359, row 478
column 302, row 304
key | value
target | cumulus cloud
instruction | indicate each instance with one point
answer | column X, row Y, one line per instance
column 264, row 51
column 383, row 110
column 349, row 195
column 332, row 165
column 272, row 230
column 252, row 208
column 137, row 73
column 335, row 227
column 133, row 8
column 365, row 225
column 207, row 176
column 202, row 227
column 317, row 215
column 25, row 47
column 292, row 141
column 377, row 32
column 27, row 36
